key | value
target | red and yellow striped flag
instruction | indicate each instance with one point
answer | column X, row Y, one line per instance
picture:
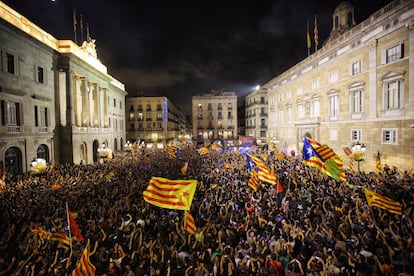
column 189, row 223
column 170, row 194
column 254, row 180
column 84, row 267
column 267, row 175
column 171, row 151
column 382, row 202
column 42, row 233
column 60, row 237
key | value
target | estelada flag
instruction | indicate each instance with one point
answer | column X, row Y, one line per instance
column 382, row 202
column 189, row 223
column 170, row 194
column 84, row 267
column 254, row 180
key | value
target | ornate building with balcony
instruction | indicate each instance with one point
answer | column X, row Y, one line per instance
column 256, row 115
column 153, row 119
column 356, row 88
column 58, row 101
column 214, row 116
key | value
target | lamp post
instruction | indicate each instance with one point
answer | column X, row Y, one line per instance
column 102, row 152
column 358, row 153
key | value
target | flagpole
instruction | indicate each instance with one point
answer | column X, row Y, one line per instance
column 75, row 22
column 69, row 228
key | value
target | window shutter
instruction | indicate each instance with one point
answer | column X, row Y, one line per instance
column 401, row 50
column 18, row 114
column 384, row 56
column 36, row 119
column 46, row 117
column 3, row 113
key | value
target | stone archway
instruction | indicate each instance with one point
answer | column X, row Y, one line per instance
column 84, row 153
column 43, row 152
column 95, row 147
column 13, row 160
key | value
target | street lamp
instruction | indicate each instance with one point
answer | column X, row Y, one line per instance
column 358, row 153
column 103, row 152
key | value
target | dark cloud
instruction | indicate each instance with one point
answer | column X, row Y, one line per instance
column 183, row 48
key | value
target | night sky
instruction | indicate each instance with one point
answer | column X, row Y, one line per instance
column 183, row 48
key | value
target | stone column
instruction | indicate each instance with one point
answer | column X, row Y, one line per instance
column 410, row 80
column 75, row 101
column 84, row 89
column 96, row 98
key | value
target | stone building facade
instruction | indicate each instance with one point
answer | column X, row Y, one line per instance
column 356, row 88
column 256, row 114
column 57, row 100
column 153, row 119
column 214, row 116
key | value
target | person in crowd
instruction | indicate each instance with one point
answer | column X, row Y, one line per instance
column 316, row 226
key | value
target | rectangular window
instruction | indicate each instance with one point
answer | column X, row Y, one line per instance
column 262, row 133
column 43, row 117
column 315, row 109
column 333, row 106
column 148, row 116
column 392, row 94
column 356, row 102
column 10, row 113
column 114, row 102
column 229, row 106
column 315, row 83
column 394, row 53
column 289, row 114
column 356, row 135
column 148, row 107
column 159, row 115
column 39, row 74
column 390, row 136
column 219, row 106
column 10, row 63
column 333, row 76
column 356, row 68
column 301, row 111
column 299, row 90
column 209, row 106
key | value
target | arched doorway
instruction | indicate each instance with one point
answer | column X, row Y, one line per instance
column 84, row 153
column 43, row 152
column 95, row 147
column 115, row 145
column 13, row 160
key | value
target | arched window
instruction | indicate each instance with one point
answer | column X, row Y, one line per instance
column 43, row 152
column 349, row 19
column 13, row 159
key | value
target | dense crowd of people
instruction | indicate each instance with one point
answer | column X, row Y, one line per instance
column 316, row 226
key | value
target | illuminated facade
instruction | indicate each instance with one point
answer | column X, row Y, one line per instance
column 356, row 88
column 57, row 100
column 256, row 111
column 215, row 116
column 153, row 119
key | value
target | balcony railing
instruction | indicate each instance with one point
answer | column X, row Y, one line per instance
column 13, row 129
column 42, row 129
